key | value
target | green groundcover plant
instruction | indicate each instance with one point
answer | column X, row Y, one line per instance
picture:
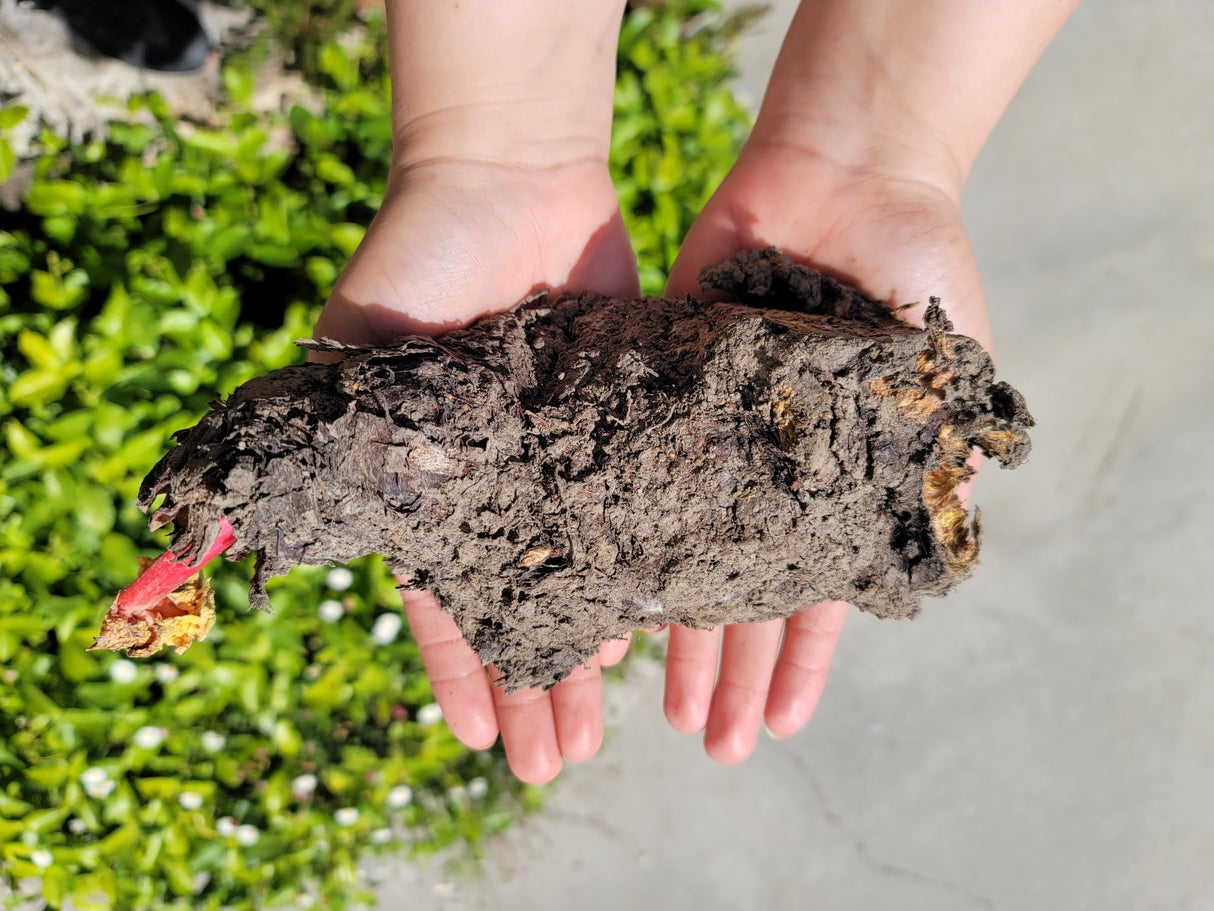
column 144, row 275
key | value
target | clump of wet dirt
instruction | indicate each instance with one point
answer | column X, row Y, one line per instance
column 566, row 472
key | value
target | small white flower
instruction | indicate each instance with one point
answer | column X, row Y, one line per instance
column 123, row 671
column 331, row 610
column 339, row 579
column 42, row 858
column 166, row 673
column 213, row 741
column 457, row 794
column 477, row 788
column 101, row 790
column 303, row 785
column 189, row 800
column 226, row 826
column 97, row 783
column 429, row 714
column 149, row 737
column 381, row 836
column 247, row 835
column 76, row 826
column 346, row 816
column 400, row 796
column 386, row 628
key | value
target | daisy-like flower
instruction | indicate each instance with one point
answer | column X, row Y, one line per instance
column 331, row 610
column 399, row 797
column 226, row 826
column 76, row 826
column 346, row 816
column 97, row 783
column 303, row 785
column 213, row 741
column 478, row 787
column 42, row 858
column 247, row 835
column 339, row 579
column 149, row 737
column 189, row 800
column 386, row 628
column 429, row 714
column 123, row 671
column 381, row 836
column 166, row 673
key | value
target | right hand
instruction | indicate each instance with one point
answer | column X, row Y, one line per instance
column 899, row 239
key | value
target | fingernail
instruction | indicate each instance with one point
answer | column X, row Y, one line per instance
column 773, row 735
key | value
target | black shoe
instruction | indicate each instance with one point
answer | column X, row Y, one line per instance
column 151, row 34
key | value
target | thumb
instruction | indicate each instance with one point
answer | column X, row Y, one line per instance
column 714, row 237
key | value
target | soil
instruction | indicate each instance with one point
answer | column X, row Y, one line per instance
column 574, row 469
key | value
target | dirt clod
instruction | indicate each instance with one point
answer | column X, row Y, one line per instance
column 574, row 469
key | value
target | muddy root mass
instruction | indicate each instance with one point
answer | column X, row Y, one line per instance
column 569, row 471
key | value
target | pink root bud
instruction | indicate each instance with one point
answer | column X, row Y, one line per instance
column 165, row 574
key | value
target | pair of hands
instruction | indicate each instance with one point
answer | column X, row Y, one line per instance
column 458, row 239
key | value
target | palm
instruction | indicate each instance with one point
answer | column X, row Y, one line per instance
column 897, row 240
column 456, row 241
column 452, row 243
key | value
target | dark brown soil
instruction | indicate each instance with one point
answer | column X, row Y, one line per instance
column 571, row 470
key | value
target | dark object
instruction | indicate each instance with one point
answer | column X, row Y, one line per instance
column 561, row 474
column 150, row 34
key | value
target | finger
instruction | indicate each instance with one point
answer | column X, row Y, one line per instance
column 713, row 238
column 809, row 644
column 577, row 711
column 528, row 732
column 612, row 651
column 691, row 671
column 748, row 657
column 456, row 673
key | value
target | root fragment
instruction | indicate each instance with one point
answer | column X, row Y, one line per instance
column 554, row 473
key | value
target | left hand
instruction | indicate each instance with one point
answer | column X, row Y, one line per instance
column 897, row 238
column 454, row 241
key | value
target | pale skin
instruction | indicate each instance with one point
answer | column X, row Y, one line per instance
column 499, row 185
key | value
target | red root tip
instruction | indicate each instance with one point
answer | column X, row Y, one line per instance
column 165, row 574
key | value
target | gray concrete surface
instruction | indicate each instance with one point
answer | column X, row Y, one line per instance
column 1042, row 739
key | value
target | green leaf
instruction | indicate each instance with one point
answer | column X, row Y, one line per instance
column 11, row 115
column 178, row 874
column 38, row 386
column 239, row 82
column 346, row 237
column 56, row 197
column 38, row 350
column 60, row 292
column 46, row 777
column 56, row 883
column 8, row 159
column 331, row 169
column 339, row 66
